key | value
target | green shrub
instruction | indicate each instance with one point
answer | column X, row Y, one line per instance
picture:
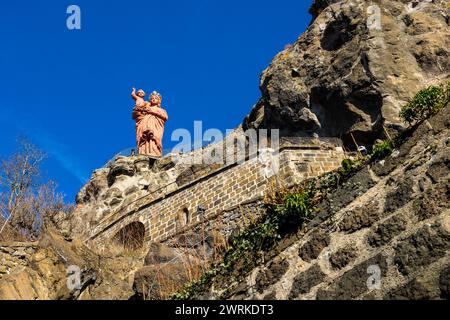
column 298, row 204
column 425, row 103
column 349, row 165
column 382, row 149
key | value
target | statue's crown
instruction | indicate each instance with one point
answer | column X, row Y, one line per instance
column 156, row 93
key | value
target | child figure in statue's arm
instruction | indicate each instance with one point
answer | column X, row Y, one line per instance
column 139, row 98
column 141, row 107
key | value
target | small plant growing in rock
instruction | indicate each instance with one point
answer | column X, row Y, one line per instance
column 349, row 165
column 298, row 204
column 425, row 103
column 383, row 149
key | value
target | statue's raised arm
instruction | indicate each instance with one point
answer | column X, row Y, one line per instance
column 139, row 97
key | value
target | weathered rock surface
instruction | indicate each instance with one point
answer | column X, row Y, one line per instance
column 43, row 270
column 343, row 76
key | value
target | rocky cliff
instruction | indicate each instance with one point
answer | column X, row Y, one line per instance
column 43, row 270
column 347, row 75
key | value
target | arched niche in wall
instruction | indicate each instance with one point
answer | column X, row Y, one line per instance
column 131, row 236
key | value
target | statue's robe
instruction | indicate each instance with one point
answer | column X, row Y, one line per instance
column 149, row 129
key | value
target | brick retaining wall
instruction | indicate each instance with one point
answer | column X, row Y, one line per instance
column 221, row 190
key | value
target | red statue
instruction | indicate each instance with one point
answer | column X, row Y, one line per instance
column 150, row 119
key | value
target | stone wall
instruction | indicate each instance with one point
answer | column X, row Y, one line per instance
column 218, row 192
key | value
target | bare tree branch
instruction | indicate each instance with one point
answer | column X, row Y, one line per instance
column 24, row 202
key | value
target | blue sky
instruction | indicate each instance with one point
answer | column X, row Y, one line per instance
column 69, row 90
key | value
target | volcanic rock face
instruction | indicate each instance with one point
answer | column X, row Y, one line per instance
column 345, row 75
column 44, row 270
